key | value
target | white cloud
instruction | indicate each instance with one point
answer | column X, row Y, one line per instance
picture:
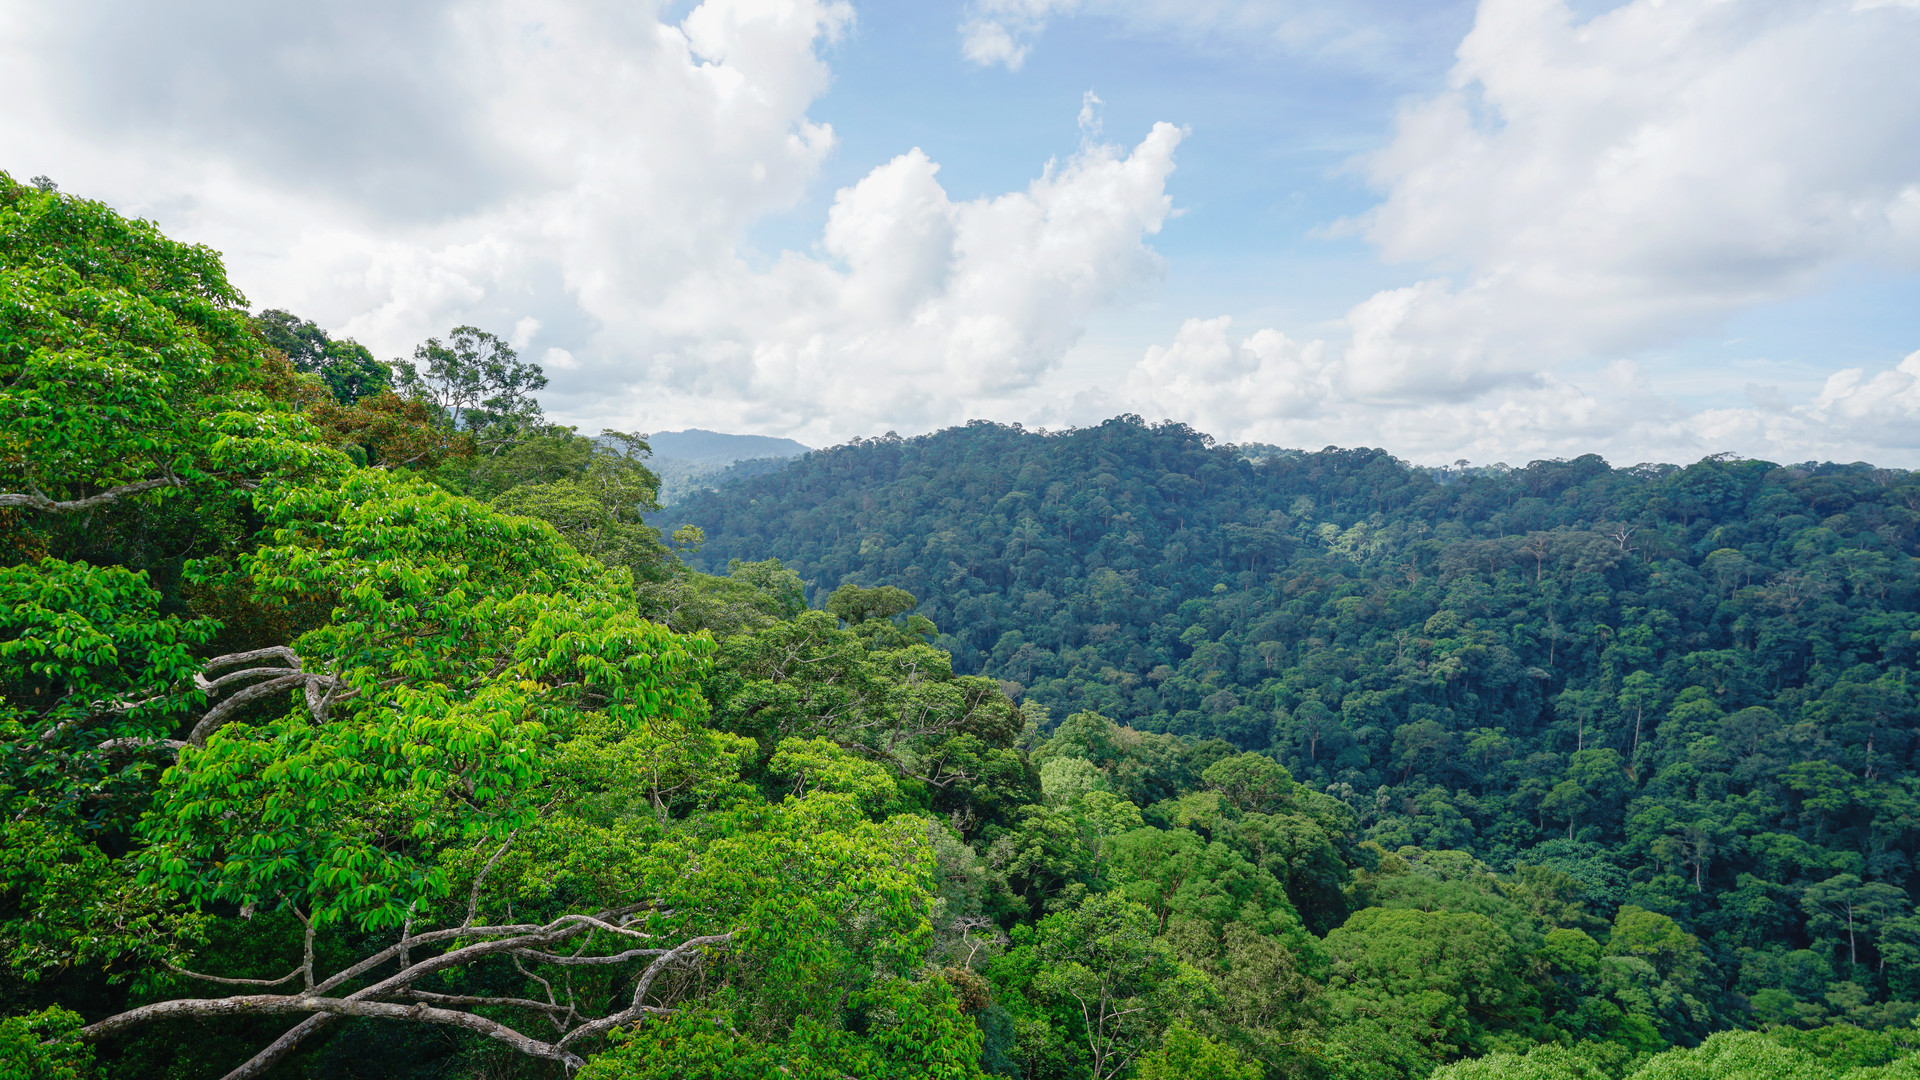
column 1238, row 385
column 1002, row 31
column 584, row 173
column 929, row 306
column 1597, row 187
column 523, row 332
column 1586, row 190
column 1264, row 387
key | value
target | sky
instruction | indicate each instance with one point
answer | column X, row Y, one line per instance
column 1522, row 229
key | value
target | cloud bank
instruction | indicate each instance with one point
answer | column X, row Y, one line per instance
column 585, row 173
column 1586, row 190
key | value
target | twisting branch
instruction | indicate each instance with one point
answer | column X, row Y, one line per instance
column 397, row 996
column 287, row 978
column 37, row 501
column 134, row 744
column 218, row 716
column 268, row 1004
column 287, row 657
column 588, row 961
column 639, row 1010
column 480, row 879
column 306, row 961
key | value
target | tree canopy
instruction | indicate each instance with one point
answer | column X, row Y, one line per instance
column 355, row 727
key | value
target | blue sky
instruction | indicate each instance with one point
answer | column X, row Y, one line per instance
column 1494, row 231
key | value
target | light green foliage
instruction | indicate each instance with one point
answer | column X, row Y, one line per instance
column 44, row 1046
column 1103, row 961
column 1251, row 783
column 819, row 765
column 1551, row 1061
column 125, row 360
column 1184, row 1053
column 466, row 640
column 1174, row 873
column 1411, row 989
column 1734, row 1055
column 914, row 1031
column 346, row 367
column 93, row 660
column 1067, row 780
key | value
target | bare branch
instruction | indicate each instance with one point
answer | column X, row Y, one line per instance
column 231, row 679
column 272, row 652
column 424, row 1006
column 41, row 502
column 281, row 1047
column 428, row 938
column 220, row 714
column 137, row 744
column 462, row 999
column 473, row 901
column 288, row 977
column 637, row 1009
column 585, row 961
column 267, row 1004
column 306, row 962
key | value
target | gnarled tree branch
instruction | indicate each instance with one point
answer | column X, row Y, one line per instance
column 469, row 944
column 36, row 501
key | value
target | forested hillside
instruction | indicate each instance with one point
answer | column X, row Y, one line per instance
column 1689, row 687
column 354, row 723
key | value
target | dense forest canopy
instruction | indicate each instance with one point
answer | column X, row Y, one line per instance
column 355, row 722
column 1688, row 686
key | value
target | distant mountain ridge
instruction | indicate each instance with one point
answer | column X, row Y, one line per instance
column 721, row 448
column 698, row 460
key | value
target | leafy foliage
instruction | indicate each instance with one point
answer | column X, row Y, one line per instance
column 345, row 729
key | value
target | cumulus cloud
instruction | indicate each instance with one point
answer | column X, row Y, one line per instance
column 580, row 176
column 1597, row 187
column 1239, row 385
column 1265, row 387
column 1582, row 191
column 926, row 305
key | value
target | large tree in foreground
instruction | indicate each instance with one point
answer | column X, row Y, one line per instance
column 452, row 777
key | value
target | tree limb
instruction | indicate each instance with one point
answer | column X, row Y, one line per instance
column 267, row 1004
column 637, row 1009
column 218, row 716
column 41, row 502
column 288, row 977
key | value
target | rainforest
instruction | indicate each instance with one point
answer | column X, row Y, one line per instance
column 357, row 720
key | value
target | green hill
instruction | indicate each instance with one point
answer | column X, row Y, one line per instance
column 1689, row 686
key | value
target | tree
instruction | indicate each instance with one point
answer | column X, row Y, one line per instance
column 870, row 613
column 1123, row 982
column 453, row 717
column 344, row 365
column 1184, row 1052
column 1846, row 907
column 1412, row 988
column 126, row 363
column 477, row 382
